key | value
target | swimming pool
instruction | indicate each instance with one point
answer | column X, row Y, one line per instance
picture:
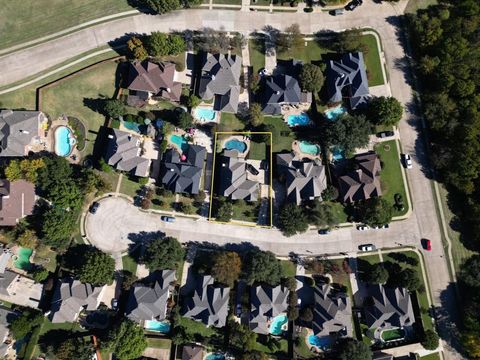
column 63, row 141
column 23, row 259
column 235, row 144
column 298, row 120
column 309, row 148
column 180, row 141
column 160, row 326
column 338, row 153
column 205, row 114
column 278, row 322
column 333, row 114
column 215, row 356
column 320, row 342
column 130, row 125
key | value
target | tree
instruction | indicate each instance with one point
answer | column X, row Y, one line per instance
column 349, row 132
column 186, row 208
column 25, row 323
column 292, row 310
column 185, row 120
column 349, row 41
column 385, row 110
column 330, row 193
column 289, row 40
column 306, row 314
column 163, row 253
column 39, row 274
column 470, row 272
column 241, row 337
column 224, row 210
column 127, row 341
column 25, row 169
column 376, row 211
column 176, row 44
column 27, row 239
column 128, row 279
column 321, row 213
column 75, row 348
column 193, row 101
column 136, row 48
column 255, row 115
column 145, row 203
column 254, row 355
column 97, row 268
column 227, row 267
column 292, row 220
column 311, row 78
column 430, row 340
column 350, row 349
column 57, row 227
column 375, row 274
column 238, row 41
column 162, row 6
column 262, row 266
column 213, row 41
column 157, row 44
column 114, row 108
column 408, row 278
column 471, row 344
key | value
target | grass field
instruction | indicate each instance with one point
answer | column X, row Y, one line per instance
column 393, row 334
column 302, row 349
column 258, row 151
column 391, row 174
column 129, row 264
column 434, row 356
column 159, row 343
column 79, row 96
column 282, row 136
column 256, row 48
column 414, row 5
column 311, row 52
column 289, row 268
column 372, row 61
column 23, row 21
column 230, row 122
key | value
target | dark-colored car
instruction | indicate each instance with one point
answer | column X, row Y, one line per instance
column 252, row 169
column 385, row 134
column 352, row 5
column 324, row 231
column 169, row 219
column 94, row 207
column 336, row 12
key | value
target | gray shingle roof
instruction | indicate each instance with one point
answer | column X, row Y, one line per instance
column 148, row 303
column 233, row 178
column 266, row 303
column 282, row 89
column 209, row 303
column 305, row 180
column 220, row 78
column 183, row 176
column 6, row 318
column 191, row 352
column 347, row 77
column 70, row 297
column 17, row 129
column 5, row 280
column 123, row 152
column 332, row 313
column 392, row 307
column 364, row 182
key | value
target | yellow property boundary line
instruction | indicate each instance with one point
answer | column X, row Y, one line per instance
column 243, row 223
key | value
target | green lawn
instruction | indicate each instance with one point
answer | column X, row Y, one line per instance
column 258, row 151
column 49, row 326
column 289, row 268
column 282, row 351
column 413, row 6
column 230, row 122
column 372, row 61
column 159, row 343
column 302, row 350
column 372, row 259
column 391, row 173
column 195, row 327
column 311, row 53
column 245, row 211
column 129, row 264
column 46, row 257
column 256, row 48
column 339, row 211
column 282, row 135
column 129, row 187
column 228, row 2
column 79, row 95
column 434, row 356
column 393, row 334
column 28, row 20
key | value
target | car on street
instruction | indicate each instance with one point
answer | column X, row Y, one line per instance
column 168, row 219
column 352, row 5
column 407, row 160
column 94, row 207
column 324, row 231
column 336, row 12
column 367, row 247
column 427, row 244
column 385, row 134
column 363, row 227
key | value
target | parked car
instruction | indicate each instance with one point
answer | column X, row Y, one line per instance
column 324, row 231
column 367, row 247
column 427, row 244
column 363, row 227
column 385, row 134
column 168, row 219
column 336, row 12
column 407, row 161
column 94, row 207
column 352, row 5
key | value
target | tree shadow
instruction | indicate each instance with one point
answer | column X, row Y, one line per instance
column 56, row 337
column 447, row 318
column 144, row 237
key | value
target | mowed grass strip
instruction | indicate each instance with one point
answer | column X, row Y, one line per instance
column 372, row 60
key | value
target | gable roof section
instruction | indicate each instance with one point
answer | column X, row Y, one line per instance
column 17, row 200
column 281, row 89
column 305, row 180
column 266, row 303
column 220, row 78
column 392, row 307
column 154, row 78
column 148, row 303
column 364, row 182
column 209, row 303
column 233, row 178
column 70, row 297
column 17, row 129
column 183, row 176
column 348, row 75
column 6, row 278
column 123, row 152
column 332, row 313
column 191, row 352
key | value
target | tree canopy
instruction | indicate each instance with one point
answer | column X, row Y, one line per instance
column 349, row 132
column 74, row 348
column 376, row 211
column 470, row 272
column 322, row 213
column 227, row 267
column 311, row 78
column 25, row 323
column 430, row 340
column 57, row 227
column 375, row 274
column 385, row 111
column 163, row 253
column 161, row 44
column 97, row 268
column 223, row 210
column 241, row 337
column 26, row 169
column 263, row 266
column 255, row 115
column 290, row 39
column 137, row 51
column 292, row 219
column 127, row 340
column 162, row 6
column 350, row 349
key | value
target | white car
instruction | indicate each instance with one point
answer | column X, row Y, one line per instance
column 408, row 161
column 363, row 227
column 367, row 247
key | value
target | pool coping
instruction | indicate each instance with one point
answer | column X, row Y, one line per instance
column 238, row 138
column 216, row 120
column 72, row 146
column 298, row 152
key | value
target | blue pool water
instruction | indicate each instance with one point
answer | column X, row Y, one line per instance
column 205, row 114
column 235, row 144
column 338, row 153
column 309, row 148
column 277, row 323
column 63, row 141
column 130, row 125
column 215, row 356
column 334, row 113
column 180, row 141
column 298, row 120
column 323, row 342
column 160, row 326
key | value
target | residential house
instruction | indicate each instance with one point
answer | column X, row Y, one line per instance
column 347, row 78
column 149, row 79
column 233, row 178
column 150, row 303
column 124, row 152
column 192, row 352
column 388, row 308
column 363, row 182
column 220, row 81
column 209, row 303
column 280, row 90
column 182, row 173
column 267, row 302
column 17, row 200
column 332, row 315
column 19, row 131
column 71, row 297
column 6, row 343
column 18, row 289
column 305, row 179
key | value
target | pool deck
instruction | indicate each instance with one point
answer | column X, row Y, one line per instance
column 302, row 155
column 206, row 106
column 239, row 138
column 62, row 121
column 297, row 109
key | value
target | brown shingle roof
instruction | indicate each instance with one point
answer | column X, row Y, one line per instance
column 16, row 200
